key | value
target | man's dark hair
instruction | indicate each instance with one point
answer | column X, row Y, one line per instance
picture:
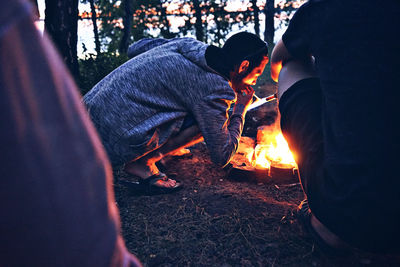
column 245, row 46
column 240, row 46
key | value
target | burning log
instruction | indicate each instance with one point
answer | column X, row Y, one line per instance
column 266, row 159
column 241, row 166
column 245, row 153
column 283, row 174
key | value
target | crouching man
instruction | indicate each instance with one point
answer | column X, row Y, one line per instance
column 172, row 94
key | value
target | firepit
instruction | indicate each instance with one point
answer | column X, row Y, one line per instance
column 265, row 160
column 283, row 173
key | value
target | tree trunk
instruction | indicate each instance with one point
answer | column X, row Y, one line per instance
column 95, row 29
column 269, row 21
column 199, row 24
column 61, row 23
column 256, row 17
column 165, row 30
column 218, row 32
column 127, row 26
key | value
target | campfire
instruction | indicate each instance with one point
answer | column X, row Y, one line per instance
column 266, row 157
column 272, row 150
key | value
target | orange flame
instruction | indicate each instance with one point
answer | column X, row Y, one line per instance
column 260, row 161
column 273, row 150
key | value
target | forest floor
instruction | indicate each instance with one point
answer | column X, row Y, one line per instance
column 219, row 221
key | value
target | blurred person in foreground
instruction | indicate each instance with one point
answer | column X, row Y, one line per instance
column 172, row 94
column 56, row 199
column 337, row 67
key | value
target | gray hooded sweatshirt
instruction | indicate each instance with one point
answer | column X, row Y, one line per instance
column 142, row 103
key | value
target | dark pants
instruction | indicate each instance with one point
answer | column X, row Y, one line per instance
column 300, row 108
column 360, row 220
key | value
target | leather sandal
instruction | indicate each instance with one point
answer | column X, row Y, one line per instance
column 149, row 187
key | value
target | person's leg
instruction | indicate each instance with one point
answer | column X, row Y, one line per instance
column 300, row 93
column 186, row 138
column 146, row 165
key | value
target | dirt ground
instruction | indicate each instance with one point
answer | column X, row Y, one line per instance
column 216, row 220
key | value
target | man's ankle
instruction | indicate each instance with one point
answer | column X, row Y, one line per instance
column 138, row 168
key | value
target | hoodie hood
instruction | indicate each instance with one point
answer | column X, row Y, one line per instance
column 190, row 48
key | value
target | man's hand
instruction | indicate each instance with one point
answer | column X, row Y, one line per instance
column 245, row 97
column 244, row 94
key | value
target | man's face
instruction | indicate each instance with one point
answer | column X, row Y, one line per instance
column 251, row 78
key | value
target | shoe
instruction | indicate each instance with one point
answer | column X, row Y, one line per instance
column 149, row 187
column 304, row 214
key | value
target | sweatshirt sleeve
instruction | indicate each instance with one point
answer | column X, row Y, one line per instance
column 220, row 132
column 144, row 45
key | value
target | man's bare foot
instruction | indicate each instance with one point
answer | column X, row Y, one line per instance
column 167, row 183
column 330, row 238
column 145, row 170
column 159, row 184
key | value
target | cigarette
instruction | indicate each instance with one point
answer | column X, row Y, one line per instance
column 260, row 101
